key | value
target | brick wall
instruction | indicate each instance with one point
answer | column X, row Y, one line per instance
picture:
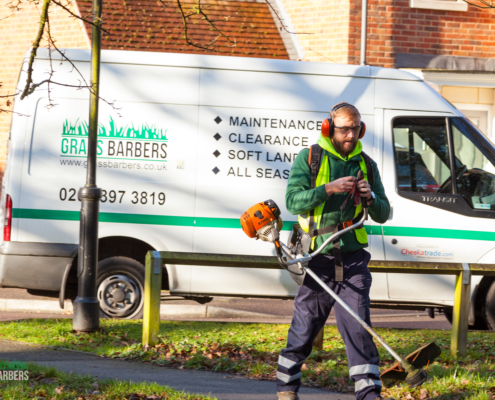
column 394, row 27
column 322, row 28
column 18, row 29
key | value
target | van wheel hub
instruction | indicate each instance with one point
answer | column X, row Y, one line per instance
column 119, row 295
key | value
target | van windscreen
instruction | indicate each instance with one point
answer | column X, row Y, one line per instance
column 474, row 165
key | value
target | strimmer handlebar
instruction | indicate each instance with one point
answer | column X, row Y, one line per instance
column 336, row 235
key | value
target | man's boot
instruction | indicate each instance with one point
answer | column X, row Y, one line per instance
column 287, row 396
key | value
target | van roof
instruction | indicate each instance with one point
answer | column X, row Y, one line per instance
column 229, row 63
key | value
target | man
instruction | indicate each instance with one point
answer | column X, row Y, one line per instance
column 342, row 153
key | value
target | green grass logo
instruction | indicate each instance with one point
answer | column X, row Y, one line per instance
column 13, row 365
column 112, row 131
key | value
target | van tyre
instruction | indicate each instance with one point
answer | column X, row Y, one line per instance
column 488, row 307
column 120, row 288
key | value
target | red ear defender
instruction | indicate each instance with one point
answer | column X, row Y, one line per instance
column 325, row 128
column 363, row 130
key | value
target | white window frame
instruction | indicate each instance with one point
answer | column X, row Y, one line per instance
column 480, row 107
column 448, row 5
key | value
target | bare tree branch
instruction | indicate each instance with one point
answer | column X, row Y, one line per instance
column 15, row 6
column 36, row 44
column 282, row 25
column 190, row 15
column 314, row 51
column 199, row 10
column 84, row 19
column 8, row 16
column 486, row 4
column 212, row 23
column 51, row 43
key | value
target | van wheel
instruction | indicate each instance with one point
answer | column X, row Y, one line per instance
column 489, row 308
column 448, row 312
column 479, row 324
column 120, row 287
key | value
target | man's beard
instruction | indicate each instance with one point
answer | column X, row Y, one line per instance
column 343, row 149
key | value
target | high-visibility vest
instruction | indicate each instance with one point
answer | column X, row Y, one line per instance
column 322, row 179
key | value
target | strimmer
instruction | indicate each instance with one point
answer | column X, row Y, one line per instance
column 262, row 221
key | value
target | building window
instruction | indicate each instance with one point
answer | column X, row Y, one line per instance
column 448, row 5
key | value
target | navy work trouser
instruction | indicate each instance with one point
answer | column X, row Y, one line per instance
column 312, row 306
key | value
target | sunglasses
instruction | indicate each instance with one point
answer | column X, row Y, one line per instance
column 344, row 129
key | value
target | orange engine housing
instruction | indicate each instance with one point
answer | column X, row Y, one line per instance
column 258, row 216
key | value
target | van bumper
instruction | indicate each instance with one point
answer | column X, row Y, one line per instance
column 34, row 265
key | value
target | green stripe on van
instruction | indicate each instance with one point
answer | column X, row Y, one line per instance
column 145, row 219
column 233, row 223
column 438, row 233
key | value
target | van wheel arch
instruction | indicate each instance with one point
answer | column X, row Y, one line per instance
column 482, row 320
column 116, row 246
column 485, row 302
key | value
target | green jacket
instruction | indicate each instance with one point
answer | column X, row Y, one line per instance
column 300, row 198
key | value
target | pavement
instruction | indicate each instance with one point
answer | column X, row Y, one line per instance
column 18, row 304
column 15, row 302
column 219, row 385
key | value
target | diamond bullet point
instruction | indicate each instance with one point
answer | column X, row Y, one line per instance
column 216, row 170
column 217, row 136
column 218, row 120
column 216, row 153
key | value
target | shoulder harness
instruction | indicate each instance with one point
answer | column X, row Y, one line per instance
column 314, row 161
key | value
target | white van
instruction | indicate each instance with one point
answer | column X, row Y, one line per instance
column 193, row 141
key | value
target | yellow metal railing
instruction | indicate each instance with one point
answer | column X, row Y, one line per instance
column 152, row 288
column 463, row 272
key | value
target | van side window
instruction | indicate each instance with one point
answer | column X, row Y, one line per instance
column 475, row 173
column 422, row 155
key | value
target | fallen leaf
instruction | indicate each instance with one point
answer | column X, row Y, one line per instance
column 59, row 390
column 304, row 367
column 49, row 380
column 137, row 396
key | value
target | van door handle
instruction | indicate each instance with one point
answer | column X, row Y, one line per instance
column 391, row 213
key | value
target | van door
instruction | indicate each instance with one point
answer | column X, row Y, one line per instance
column 373, row 147
column 438, row 174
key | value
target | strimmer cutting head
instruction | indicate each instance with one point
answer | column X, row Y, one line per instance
column 260, row 220
column 418, row 359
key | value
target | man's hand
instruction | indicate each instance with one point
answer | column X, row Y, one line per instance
column 364, row 189
column 341, row 185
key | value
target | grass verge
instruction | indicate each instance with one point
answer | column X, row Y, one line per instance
column 49, row 383
column 252, row 350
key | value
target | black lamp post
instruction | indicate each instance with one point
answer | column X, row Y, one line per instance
column 86, row 305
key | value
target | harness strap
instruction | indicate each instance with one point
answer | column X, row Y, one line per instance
column 369, row 167
column 314, row 160
column 331, row 228
column 337, row 255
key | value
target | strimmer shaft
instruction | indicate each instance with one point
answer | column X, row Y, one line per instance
column 356, row 317
column 301, row 261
